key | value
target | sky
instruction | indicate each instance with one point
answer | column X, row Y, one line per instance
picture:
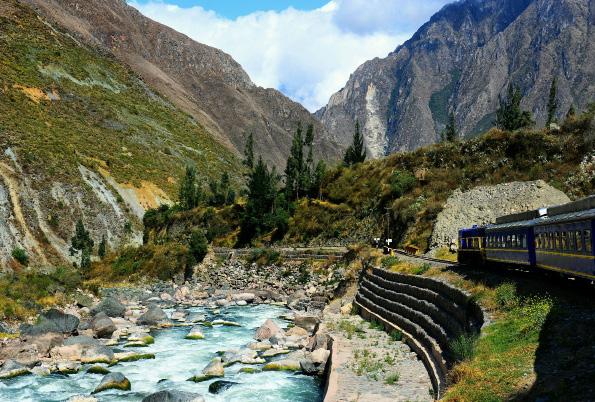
column 307, row 49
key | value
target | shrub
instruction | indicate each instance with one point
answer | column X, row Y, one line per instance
column 392, row 378
column 21, row 256
column 401, row 182
column 198, row 245
column 506, row 297
column 396, row 336
column 389, row 261
column 422, row 269
column 463, row 347
column 264, row 256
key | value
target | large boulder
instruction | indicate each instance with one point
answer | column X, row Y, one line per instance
column 219, row 386
column 113, row 381
column 25, row 353
column 247, row 297
column 153, row 316
column 47, row 342
column 267, row 330
column 213, row 370
column 52, row 320
column 111, row 307
column 102, row 325
column 173, row 396
column 195, row 333
column 11, row 369
column 307, row 322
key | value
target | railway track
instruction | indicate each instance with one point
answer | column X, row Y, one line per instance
column 423, row 257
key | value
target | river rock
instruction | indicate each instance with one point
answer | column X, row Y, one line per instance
column 178, row 315
column 247, row 297
column 220, row 386
column 11, row 369
column 195, row 333
column 68, row 367
column 196, row 317
column 102, row 325
column 111, row 307
column 47, row 342
column 307, row 322
column 113, row 380
column 82, row 398
column 153, row 316
column 260, row 346
column 283, row 365
column 173, row 396
column 83, row 300
column 320, row 340
column 297, row 331
column 267, row 330
column 213, row 370
column 52, row 320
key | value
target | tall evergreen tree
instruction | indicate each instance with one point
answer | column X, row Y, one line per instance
column 316, row 185
column 450, row 132
column 261, row 195
column 308, row 171
column 295, row 166
column 552, row 104
column 102, row 248
column 82, row 242
column 509, row 115
column 190, row 193
column 356, row 152
column 249, row 152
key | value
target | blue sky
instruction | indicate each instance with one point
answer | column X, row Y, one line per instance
column 236, row 8
column 307, row 49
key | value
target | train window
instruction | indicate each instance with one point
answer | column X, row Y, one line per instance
column 579, row 241
column 552, row 241
column 587, row 234
column 513, row 241
column 572, row 238
column 523, row 241
column 557, row 241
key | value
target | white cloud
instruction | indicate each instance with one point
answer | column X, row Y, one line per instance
column 308, row 55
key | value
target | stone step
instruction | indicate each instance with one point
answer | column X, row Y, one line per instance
column 450, row 323
column 425, row 322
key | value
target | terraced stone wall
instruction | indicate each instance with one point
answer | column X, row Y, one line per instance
column 429, row 313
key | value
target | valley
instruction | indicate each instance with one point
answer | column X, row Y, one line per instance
column 169, row 230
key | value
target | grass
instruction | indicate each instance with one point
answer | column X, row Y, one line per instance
column 101, row 116
column 392, row 379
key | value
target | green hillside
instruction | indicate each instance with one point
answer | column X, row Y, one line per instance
column 63, row 104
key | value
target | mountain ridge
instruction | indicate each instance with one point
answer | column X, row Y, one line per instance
column 462, row 60
column 203, row 81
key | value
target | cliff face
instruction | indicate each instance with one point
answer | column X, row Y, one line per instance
column 203, row 81
column 462, row 60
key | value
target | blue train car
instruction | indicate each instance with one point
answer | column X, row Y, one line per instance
column 511, row 243
column 564, row 243
column 471, row 245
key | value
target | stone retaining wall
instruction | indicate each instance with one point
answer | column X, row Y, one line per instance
column 429, row 313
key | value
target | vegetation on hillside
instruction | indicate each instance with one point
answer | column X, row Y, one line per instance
column 62, row 104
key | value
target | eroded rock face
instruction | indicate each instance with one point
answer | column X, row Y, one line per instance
column 307, row 322
column 461, row 61
column 483, row 205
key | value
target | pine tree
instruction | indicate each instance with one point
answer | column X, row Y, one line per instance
column 316, row 186
column 450, row 132
column 249, row 152
column 509, row 115
column 261, row 194
column 190, row 193
column 82, row 242
column 102, row 249
column 295, row 166
column 308, row 171
column 356, row 152
column 552, row 105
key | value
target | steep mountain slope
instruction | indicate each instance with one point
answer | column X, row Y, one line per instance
column 81, row 136
column 462, row 60
column 201, row 80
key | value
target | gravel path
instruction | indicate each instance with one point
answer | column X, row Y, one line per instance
column 368, row 365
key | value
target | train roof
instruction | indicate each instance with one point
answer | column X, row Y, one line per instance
column 583, row 204
column 568, row 217
column 515, row 225
column 518, row 217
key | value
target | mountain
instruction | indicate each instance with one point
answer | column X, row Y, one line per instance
column 204, row 82
column 463, row 60
column 83, row 137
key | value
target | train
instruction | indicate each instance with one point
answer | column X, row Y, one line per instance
column 556, row 239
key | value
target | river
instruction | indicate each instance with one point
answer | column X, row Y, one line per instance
column 176, row 360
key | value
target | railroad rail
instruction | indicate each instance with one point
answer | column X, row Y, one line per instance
column 421, row 257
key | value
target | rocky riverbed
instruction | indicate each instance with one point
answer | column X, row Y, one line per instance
column 230, row 330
